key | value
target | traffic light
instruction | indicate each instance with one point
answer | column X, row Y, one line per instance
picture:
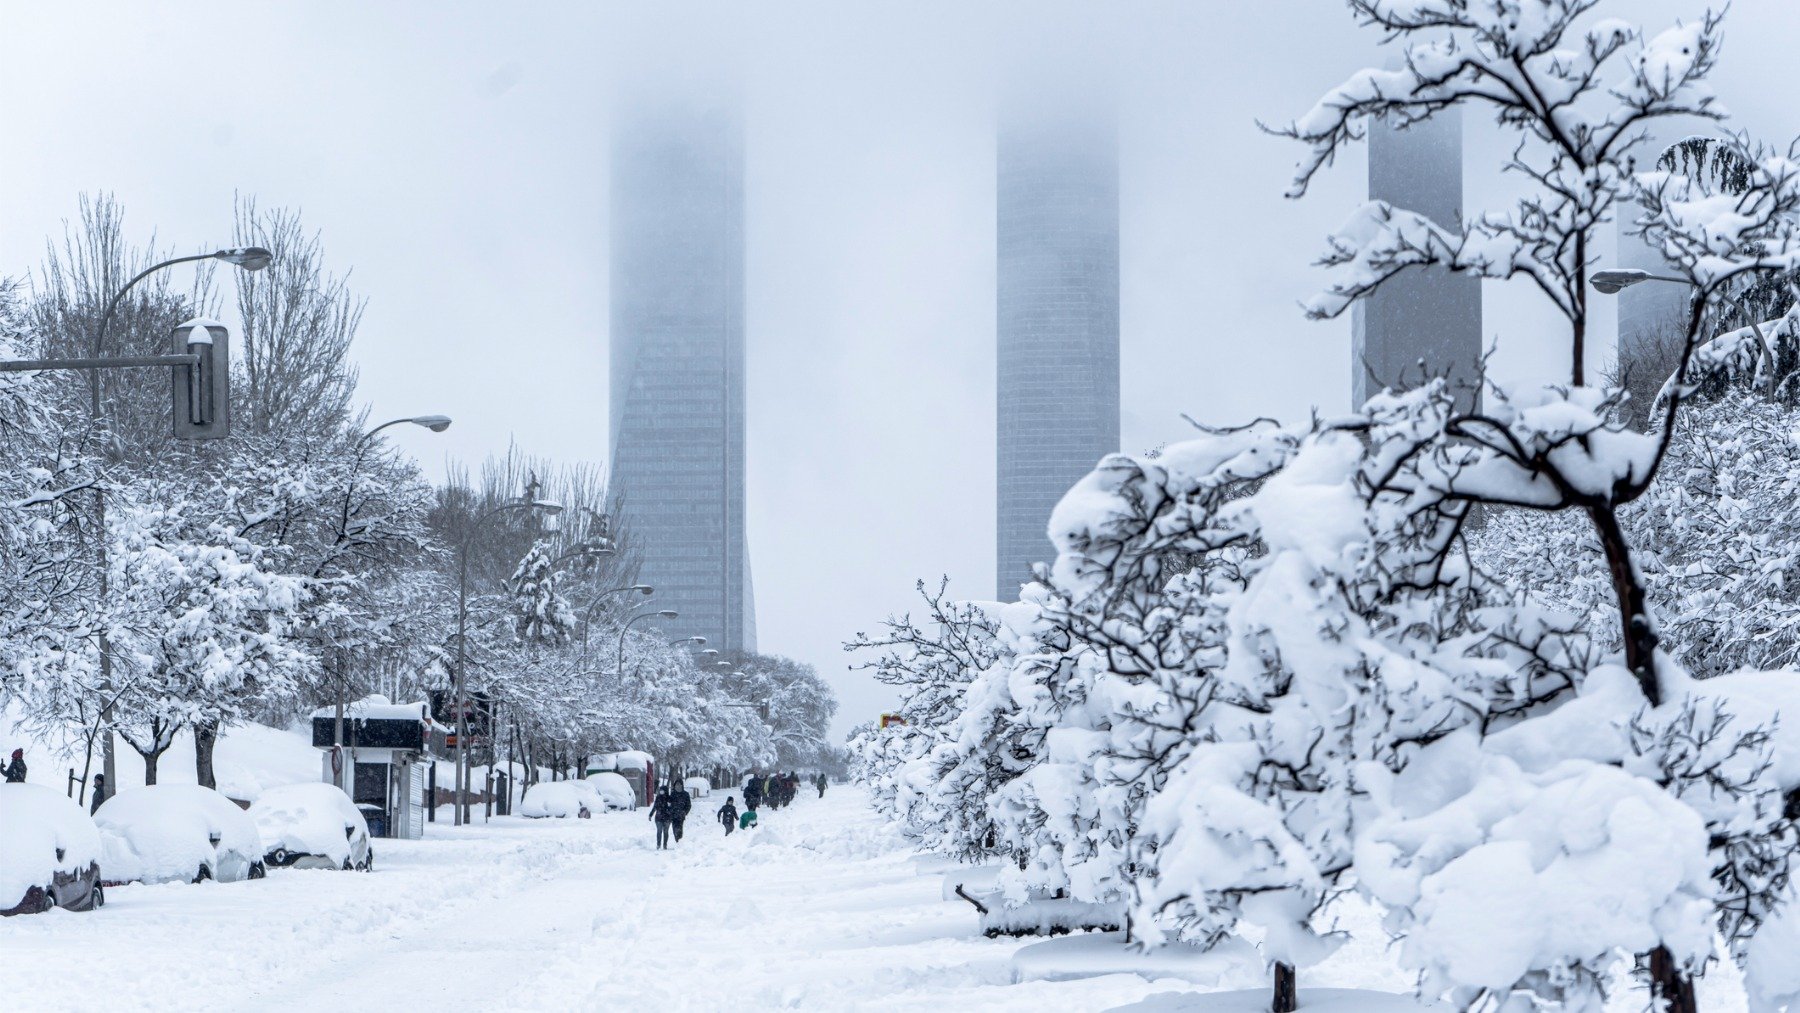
column 203, row 390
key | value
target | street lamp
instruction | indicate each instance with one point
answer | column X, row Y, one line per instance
column 594, row 606
column 250, row 258
column 545, row 507
column 435, row 423
column 687, row 640
column 664, row 614
column 1615, row 280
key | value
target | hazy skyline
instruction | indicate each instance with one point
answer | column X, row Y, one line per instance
column 456, row 157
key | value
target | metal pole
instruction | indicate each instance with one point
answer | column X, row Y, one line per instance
column 97, row 349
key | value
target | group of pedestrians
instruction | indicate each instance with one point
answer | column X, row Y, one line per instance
column 673, row 803
column 670, row 813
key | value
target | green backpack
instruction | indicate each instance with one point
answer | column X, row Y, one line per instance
column 747, row 820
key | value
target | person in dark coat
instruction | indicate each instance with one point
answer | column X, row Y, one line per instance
column 663, row 812
column 680, row 804
column 753, row 794
column 99, row 793
column 15, row 771
column 820, row 782
column 728, row 815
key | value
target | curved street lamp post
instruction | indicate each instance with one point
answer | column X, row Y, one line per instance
column 462, row 636
column 250, row 258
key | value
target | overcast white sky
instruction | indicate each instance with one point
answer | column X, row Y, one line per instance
column 455, row 156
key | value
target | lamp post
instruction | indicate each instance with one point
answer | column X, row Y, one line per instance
column 677, row 642
column 664, row 614
column 594, row 606
column 1616, row 280
column 250, row 258
column 435, row 423
column 462, row 629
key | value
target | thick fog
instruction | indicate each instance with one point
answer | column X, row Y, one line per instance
column 456, row 157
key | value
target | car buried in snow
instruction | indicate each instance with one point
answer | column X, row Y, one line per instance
column 49, row 852
column 312, row 826
column 176, row 833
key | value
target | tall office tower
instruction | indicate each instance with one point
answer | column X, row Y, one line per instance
column 678, row 362
column 1423, row 315
column 1058, row 318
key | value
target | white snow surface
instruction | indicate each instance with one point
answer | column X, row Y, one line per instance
column 376, row 707
column 34, row 822
column 163, row 834
column 823, row 907
column 247, row 759
column 308, row 818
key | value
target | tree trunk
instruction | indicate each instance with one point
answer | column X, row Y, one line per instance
column 1286, row 998
column 1671, row 990
column 1671, row 987
column 1636, row 630
column 150, row 766
column 206, row 735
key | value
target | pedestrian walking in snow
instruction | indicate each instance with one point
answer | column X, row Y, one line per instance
column 15, row 771
column 99, row 793
column 821, row 782
column 753, row 794
column 747, row 820
column 728, row 815
column 663, row 812
column 680, row 804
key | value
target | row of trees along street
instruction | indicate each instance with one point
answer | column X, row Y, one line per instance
column 303, row 562
column 1517, row 673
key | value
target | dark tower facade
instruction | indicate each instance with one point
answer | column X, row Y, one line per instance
column 1057, row 321
column 677, row 404
column 1427, row 316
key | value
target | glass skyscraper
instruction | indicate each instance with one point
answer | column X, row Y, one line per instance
column 677, row 405
column 1057, row 323
column 1423, row 315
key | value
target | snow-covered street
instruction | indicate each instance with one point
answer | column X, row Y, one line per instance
column 820, row 908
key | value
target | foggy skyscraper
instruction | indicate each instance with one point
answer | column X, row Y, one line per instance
column 677, row 405
column 1057, row 325
column 1423, row 314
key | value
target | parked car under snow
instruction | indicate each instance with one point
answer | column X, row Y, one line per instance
column 615, row 791
column 49, row 852
column 176, row 833
column 312, row 826
column 564, row 799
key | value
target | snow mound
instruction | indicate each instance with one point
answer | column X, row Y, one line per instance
column 42, row 833
column 744, row 912
column 164, row 833
column 1256, row 1000
column 1094, row 954
column 561, row 799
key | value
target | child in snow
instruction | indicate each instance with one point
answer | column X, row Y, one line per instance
column 728, row 815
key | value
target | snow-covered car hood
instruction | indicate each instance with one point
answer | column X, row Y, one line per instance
column 164, row 833
column 308, row 819
column 562, row 799
column 613, row 789
column 42, row 833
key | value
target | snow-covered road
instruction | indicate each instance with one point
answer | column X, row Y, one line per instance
column 820, row 908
